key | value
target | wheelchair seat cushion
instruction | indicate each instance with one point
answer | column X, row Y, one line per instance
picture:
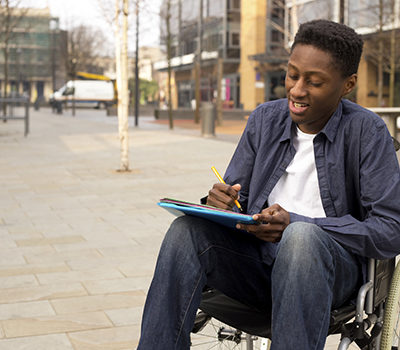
column 254, row 321
column 232, row 312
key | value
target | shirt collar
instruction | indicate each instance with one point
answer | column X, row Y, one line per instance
column 330, row 129
column 287, row 132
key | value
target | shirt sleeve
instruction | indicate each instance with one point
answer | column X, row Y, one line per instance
column 241, row 165
column 377, row 234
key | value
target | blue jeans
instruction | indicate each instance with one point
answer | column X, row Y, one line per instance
column 310, row 275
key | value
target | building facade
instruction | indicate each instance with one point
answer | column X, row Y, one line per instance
column 33, row 43
column 264, row 52
column 252, row 39
column 217, row 48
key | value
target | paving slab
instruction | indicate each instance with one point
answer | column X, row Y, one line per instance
column 51, row 341
column 26, row 326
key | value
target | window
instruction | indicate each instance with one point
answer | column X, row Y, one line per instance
column 234, row 17
column 189, row 47
column 234, row 4
column 366, row 13
column 307, row 10
column 235, row 39
column 211, row 42
column 276, row 36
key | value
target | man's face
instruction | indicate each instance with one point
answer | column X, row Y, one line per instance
column 314, row 87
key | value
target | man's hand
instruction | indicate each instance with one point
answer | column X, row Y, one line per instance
column 272, row 222
column 223, row 196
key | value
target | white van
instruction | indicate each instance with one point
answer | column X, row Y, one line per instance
column 85, row 93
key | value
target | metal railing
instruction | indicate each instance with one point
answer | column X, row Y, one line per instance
column 389, row 115
column 11, row 107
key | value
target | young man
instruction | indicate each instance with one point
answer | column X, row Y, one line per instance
column 320, row 175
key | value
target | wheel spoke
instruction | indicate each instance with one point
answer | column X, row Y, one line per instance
column 216, row 335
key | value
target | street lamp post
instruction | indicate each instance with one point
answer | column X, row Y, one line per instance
column 53, row 26
column 18, row 73
column 137, row 80
column 73, row 74
column 198, row 63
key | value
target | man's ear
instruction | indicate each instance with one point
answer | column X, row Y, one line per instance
column 349, row 84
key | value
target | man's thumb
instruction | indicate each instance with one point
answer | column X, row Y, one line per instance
column 237, row 187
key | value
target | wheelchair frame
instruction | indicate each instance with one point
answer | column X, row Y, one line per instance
column 364, row 323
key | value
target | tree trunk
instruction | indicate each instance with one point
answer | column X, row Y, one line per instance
column 197, row 74
column 295, row 22
column 6, row 55
column 380, row 73
column 124, row 85
column 137, row 80
column 169, row 54
column 198, row 62
column 7, row 34
column 5, row 51
column 121, row 44
column 219, row 90
column 380, row 55
column 392, row 58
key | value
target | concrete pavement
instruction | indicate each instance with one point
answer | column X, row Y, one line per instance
column 78, row 240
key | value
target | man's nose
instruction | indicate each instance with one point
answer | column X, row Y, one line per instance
column 298, row 89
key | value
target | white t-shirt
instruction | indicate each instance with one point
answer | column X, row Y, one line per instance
column 297, row 190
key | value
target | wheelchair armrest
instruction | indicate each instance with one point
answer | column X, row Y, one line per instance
column 344, row 313
column 380, row 273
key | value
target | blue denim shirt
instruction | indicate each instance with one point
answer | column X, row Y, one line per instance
column 358, row 174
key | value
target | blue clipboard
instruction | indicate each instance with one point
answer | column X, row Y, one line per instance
column 220, row 216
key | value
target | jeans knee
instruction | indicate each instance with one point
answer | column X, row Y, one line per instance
column 179, row 233
column 301, row 237
column 302, row 246
column 178, row 250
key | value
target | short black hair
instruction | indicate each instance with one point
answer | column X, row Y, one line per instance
column 339, row 40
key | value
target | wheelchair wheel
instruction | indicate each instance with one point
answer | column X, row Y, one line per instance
column 217, row 335
column 390, row 337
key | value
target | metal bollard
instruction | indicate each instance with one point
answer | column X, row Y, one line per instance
column 208, row 114
column 26, row 117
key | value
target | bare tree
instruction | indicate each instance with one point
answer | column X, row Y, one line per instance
column 10, row 17
column 121, row 55
column 382, row 49
column 165, row 15
column 380, row 54
column 137, row 80
column 393, row 44
column 84, row 45
column 119, row 23
column 169, row 57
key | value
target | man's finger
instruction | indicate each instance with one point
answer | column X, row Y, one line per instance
column 227, row 189
column 219, row 196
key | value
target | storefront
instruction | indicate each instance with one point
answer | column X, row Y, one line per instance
column 230, row 91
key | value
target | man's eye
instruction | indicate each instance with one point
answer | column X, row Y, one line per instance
column 293, row 77
column 315, row 83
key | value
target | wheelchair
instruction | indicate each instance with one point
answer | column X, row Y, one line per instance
column 371, row 323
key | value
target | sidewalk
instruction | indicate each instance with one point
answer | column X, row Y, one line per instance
column 78, row 240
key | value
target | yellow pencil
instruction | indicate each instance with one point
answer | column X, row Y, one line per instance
column 222, row 181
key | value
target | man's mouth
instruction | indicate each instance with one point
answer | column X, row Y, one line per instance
column 298, row 107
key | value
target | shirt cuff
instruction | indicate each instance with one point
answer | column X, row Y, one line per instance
column 300, row 218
